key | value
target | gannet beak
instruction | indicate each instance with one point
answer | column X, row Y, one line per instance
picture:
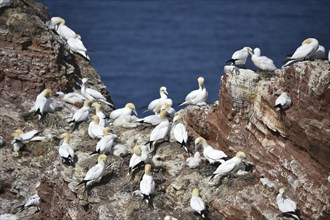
column 135, row 113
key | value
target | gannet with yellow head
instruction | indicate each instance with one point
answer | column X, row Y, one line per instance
column 197, row 97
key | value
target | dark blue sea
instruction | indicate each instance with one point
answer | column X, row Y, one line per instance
column 138, row 46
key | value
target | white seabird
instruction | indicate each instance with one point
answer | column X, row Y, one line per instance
column 239, row 57
column 95, row 130
column 287, row 206
column 194, row 161
column 58, row 24
column 65, row 150
column 77, row 46
column 106, row 143
column 306, row 49
column 72, row 98
column 43, row 103
column 92, row 94
column 197, row 97
column 147, row 184
column 120, row 150
column 95, row 173
column 20, row 138
column 283, row 102
column 99, row 112
column 31, row 201
column 137, row 159
column 230, row 166
column 123, row 116
column 81, row 114
column 319, row 54
column 197, row 204
column 180, row 132
column 160, row 132
column 157, row 103
column 211, row 154
column 262, row 62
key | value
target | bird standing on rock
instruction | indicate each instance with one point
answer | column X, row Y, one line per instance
column 283, row 102
column 92, row 94
column 95, row 130
column 43, row 104
column 197, row 204
column 58, row 24
column 157, row 103
column 65, row 150
column 239, row 57
column 81, row 114
column 147, row 184
column 211, row 154
column 287, row 206
column 76, row 46
column 106, row 143
column 262, row 62
column 198, row 96
column 180, row 132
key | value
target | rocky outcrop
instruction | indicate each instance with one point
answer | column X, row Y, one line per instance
column 288, row 149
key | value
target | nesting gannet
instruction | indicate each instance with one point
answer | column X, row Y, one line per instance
column 81, row 114
column 95, row 173
column 43, row 103
column 262, row 62
column 106, row 143
column 147, row 184
column 283, row 102
column 120, row 150
column 136, row 160
column 170, row 111
column 155, row 105
column 72, row 98
column 65, row 150
column 58, row 24
column 151, row 120
column 20, row 138
column 287, row 206
column 94, row 129
column 306, row 49
column 197, row 97
column 99, row 112
column 318, row 54
column 92, row 94
column 197, row 204
column 31, row 201
column 194, row 161
column 239, row 57
column 211, row 154
column 123, row 116
column 77, row 46
column 180, row 132
column 160, row 132
column 230, row 166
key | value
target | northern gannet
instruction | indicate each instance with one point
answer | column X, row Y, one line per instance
column 262, row 62
column 95, row 130
column 92, row 94
column 287, row 206
column 211, row 154
column 304, row 51
column 123, row 116
column 197, row 97
column 58, row 24
column 65, row 150
column 194, row 161
column 155, row 105
column 106, row 143
column 180, row 132
column 283, row 102
column 99, row 112
column 197, row 204
column 230, row 166
column 81, row 114
column 77, row 46
column 43, row 103
column 137, row 159
column 32, row 201
column 239, row 57
column 319, row 54
column 20, row 139
column 95, row 173
column 147, row 184
column 72, row 98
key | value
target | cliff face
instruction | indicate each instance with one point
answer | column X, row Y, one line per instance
column 289, row 150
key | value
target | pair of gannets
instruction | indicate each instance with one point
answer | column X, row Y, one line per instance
column 139, row 158
column 287, row 206
column 105, row 144
column 92, row 94
column 211, row 154
column 123, row 116
column 239, row 57
column 99, row 113
column 305, row 51
column 65, row 150
column 156, row 104
column 20, row 138
column 43, row 103
column 197, row 97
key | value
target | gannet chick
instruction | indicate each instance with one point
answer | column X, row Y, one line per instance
column 197, row 97
column 99, row 112
column 194, row 161
column 160, row 132
column 61, row 29
column 95, row 130
column 211, row 154
column 319, row 54
column 81, row 114
column 262, row 62
column 32, row 201
column 197, row 204
column 65, row 150
column 306, row 49
column 77, row 46
column 123, row 116
column 180, row 132
column 43, row 103
column 283, row 102
column 230, row 166
column 105, row 143
column 92, row 94
column 95, row 173
column 136, row 160
column 72, row 98
column 120, row 150
column 161, row 101
column 287, row 206
column 239, row 57
column 147, row 184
